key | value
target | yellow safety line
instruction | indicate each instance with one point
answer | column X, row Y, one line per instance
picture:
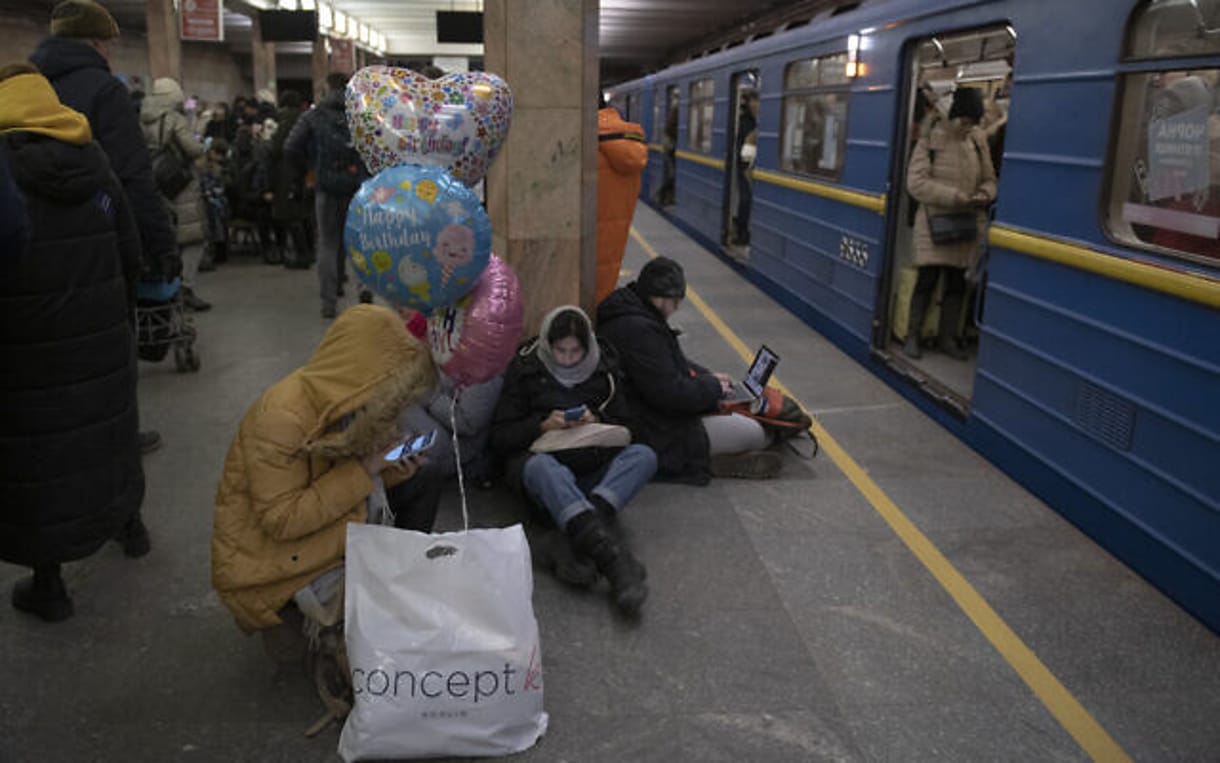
column 1189, row 286
column 1058, row 700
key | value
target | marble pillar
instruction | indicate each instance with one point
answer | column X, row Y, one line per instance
column 542, row 189
column 164, row 47
column 263, row 54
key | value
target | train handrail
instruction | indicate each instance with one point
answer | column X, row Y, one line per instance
column 872, row 201
column 1195, row 287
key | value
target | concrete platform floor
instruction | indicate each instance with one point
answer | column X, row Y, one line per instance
column 789, row 620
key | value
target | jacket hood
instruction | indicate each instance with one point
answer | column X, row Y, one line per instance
column 165, row 96
column 58, row 171
column 57, row 56
column 625, row 301
column 334, row 100
column 368, row 365
column 621, row 143
column 28, row 103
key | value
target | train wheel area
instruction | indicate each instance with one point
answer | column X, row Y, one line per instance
column 894, row 598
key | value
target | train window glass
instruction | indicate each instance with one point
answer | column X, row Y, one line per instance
column 1164, row 185
column 699, row 115
column 633, row 107
column 1172, row 28
column 814, row 133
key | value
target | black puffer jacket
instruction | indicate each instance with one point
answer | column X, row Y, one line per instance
column 671, row 393
column 70, row 472
column 529, row 395
column 82, row 79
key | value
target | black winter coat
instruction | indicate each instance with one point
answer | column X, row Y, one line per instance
column 671, row 393
column 82, row 79
column 70, row 473
column 289, row 204
column 529, row 395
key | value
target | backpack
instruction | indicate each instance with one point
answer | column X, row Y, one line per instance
column 781, row 416
column 171, row 174
column 340, row 170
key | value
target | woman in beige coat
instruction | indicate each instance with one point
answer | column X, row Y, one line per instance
column 164, row 122
column 309, row 457
column 950, row 172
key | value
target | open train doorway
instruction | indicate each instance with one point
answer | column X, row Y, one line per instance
column 742, row 148
column 946, row 176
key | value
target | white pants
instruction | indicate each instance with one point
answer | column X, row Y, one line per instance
column 734, row 434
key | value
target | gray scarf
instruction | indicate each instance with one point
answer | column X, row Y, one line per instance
column 571, row 375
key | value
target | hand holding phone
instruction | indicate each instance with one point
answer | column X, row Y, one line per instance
column 574, row 414
column 412, row 447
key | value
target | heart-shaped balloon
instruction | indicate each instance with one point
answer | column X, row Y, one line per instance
column 457, row 122
column 416, row 236
column 474, row 339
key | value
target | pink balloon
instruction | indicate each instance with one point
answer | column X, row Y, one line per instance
column 473, row 339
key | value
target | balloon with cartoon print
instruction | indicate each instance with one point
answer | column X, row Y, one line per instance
column 417, row 237
column 475, row 338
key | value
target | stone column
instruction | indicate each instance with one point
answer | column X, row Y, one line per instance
column 542, row 189
column 319, row 67
column 263, row 57
column 164, row 47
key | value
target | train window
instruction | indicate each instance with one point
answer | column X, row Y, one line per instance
column 815, row 116
column 1163, row 192
column 633, row 107
column 699, row 115
column 1171, row 28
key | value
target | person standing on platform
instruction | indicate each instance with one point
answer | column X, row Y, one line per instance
column 321, row 135
column 70, row 473
column 287, row 193
column 621, row 157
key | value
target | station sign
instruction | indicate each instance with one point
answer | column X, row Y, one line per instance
column 201, row 20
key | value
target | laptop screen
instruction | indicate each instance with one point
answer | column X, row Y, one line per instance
column 760, row 371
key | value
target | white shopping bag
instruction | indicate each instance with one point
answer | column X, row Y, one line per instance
column 442, row 643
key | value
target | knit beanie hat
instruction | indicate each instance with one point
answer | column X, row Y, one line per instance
column 84, row 19
column 661, row 277
column 967, row 102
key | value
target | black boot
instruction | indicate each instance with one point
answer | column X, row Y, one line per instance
column 553, row 552
column 134, row 538
column 950, row 312
column 626, row 575
column 44, row 595
column 919, row 308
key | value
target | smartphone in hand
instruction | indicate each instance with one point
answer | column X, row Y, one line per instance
column 574, row 414
column 412, row 447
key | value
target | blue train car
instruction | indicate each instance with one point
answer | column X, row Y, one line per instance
column 1091, row 326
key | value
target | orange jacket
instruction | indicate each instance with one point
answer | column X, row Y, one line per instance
column 621, row 156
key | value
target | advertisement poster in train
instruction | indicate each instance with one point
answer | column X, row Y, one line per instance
column 1178, row 154
column 202, row 20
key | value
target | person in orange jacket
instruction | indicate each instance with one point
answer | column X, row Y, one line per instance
column 621, row 156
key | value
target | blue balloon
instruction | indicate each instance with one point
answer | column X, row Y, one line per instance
column 417, row 236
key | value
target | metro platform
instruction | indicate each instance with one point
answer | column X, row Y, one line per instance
column 897, row 598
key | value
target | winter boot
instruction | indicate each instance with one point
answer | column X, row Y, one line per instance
column 553, row 552
column 134, row 538
column 950, row 312
column 626, row 575
column 919, row 308
column 44, row 595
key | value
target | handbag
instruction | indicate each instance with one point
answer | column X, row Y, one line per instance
column 953, row 227
column 591, row 435
column 170, row 172
column 442, row 644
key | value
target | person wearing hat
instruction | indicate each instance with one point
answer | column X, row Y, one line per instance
column 950, row 172
column 70, row 472
column 74, row 59
column 678, row 399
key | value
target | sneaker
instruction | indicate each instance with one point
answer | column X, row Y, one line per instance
column 750, row 465
column 134, row 538
column 149, row 441
column 45, row 598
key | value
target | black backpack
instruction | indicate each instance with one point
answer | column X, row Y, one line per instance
column 340, row 170
column 170, row 172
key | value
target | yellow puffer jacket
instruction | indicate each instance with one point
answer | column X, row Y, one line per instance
column 293, row 479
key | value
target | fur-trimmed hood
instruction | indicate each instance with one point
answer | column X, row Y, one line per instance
column 364, row 373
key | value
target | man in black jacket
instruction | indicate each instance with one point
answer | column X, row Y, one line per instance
column 74, row 59
column 678, row 398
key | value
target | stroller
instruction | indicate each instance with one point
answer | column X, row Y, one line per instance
column 161, row 323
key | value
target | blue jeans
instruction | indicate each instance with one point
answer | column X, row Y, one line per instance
column 555, row 486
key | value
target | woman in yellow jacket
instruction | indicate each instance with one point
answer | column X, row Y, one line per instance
column 309, row 457
column 621, row 156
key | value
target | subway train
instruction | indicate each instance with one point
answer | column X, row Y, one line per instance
column 1087, row 362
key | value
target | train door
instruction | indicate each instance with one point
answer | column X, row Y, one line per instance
column 741, row 148
column 928, row 313
column 665, row 132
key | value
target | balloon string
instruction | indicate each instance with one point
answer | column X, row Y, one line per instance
column 457, row 455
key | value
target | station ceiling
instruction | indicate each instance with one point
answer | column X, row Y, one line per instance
column 636, row 36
